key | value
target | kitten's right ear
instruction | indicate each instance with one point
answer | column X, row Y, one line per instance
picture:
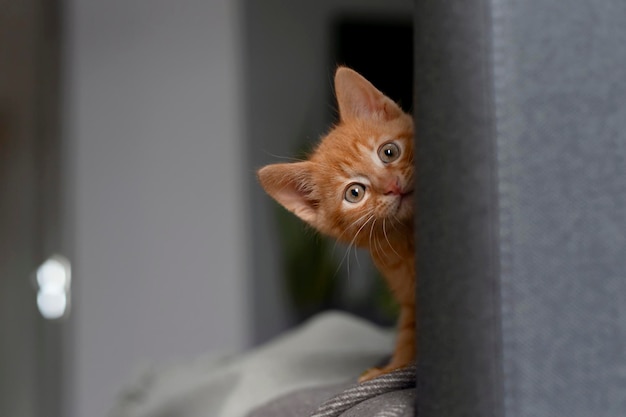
column 291, row 185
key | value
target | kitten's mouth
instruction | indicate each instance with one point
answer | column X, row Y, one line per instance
column 406, row 201
column 406, row 194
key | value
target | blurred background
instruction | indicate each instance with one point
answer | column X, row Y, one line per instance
column 130, row 132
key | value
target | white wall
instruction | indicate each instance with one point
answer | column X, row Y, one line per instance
column 155, row 199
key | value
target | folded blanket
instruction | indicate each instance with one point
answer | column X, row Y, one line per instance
column 327, row 353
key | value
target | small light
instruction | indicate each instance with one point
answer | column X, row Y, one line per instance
column 53, row 280
column 52, row 305
column 52, row 273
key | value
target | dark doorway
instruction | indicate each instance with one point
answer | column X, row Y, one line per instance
column 380, row 49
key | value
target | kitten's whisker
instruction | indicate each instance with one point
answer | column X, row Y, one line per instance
column 392, row 221
column 374, row 247
column 399, row 222
column 356, row 256
column 388, row 242
column 361, row 228
column 379, row 248
column 349, row 228
column 356, row 235
column 286, row 158
column 352, row 243
column 370, row 239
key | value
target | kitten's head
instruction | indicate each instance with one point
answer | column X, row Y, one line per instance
column 360, row 176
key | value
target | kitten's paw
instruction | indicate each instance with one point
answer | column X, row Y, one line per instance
column 370, row 374
column 376, row 372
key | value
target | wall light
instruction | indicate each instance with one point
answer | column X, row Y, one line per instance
column 54, row 278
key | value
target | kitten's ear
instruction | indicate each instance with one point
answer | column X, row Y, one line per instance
column 359, row 99
column 292, row 186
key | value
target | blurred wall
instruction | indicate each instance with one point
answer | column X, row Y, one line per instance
column 155, row 168
column 169, row 108
column 20, row 236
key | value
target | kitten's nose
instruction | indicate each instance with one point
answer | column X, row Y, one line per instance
column 393, row 188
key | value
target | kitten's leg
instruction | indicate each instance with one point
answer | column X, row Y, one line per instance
column 404, row 353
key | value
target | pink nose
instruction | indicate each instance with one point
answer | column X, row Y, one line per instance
column 393, row 188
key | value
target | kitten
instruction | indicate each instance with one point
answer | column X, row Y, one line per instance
column 357, row 186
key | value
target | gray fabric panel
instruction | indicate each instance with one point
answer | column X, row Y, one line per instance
column 542, row 83
column 457, row 263
column 560, row 89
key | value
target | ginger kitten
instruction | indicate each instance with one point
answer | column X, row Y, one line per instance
column 357, row 187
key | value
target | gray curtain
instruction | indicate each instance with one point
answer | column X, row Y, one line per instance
column 520, row 112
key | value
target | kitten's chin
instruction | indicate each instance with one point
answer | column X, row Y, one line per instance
column 404, row 210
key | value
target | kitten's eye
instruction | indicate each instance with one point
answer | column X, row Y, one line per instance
column 389, row 152
column 355, row 192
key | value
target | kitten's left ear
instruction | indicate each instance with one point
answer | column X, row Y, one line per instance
column 359, row 99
